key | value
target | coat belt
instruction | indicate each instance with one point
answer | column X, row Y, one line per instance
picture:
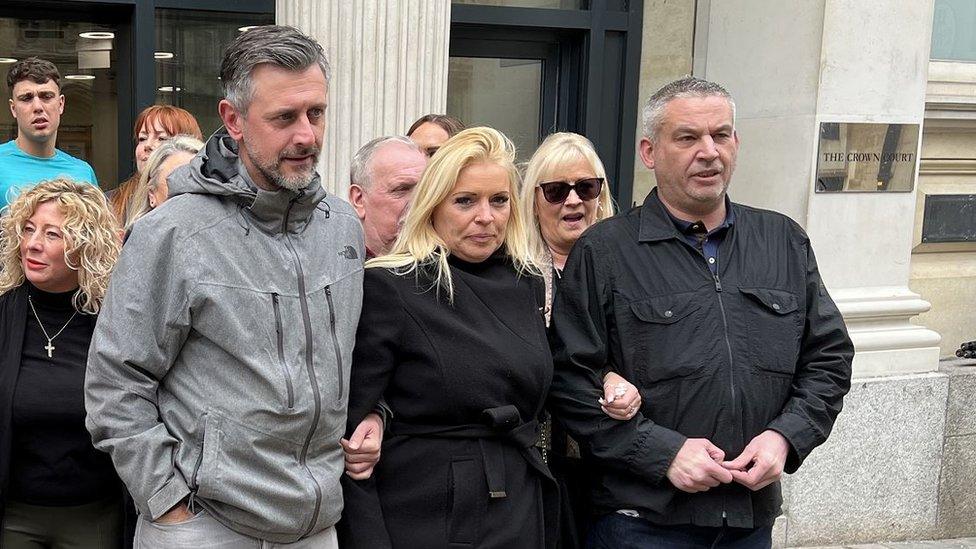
column 503, row 423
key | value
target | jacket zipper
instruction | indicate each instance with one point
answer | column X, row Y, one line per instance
column 191, row 501
column 725, row 321
column 309, row 366
column 335, row 338
column 728, row 344
column 281, row 350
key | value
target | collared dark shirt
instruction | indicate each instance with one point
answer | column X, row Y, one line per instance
column 724, row 355
column 705, row 241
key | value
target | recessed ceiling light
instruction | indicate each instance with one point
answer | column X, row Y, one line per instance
column 247, row 28
column 79, row 77
column 170, row 88
column 97, row 35
column 7, row 60
column 163, row 55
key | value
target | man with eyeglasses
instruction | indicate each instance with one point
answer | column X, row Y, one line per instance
column 717, row 312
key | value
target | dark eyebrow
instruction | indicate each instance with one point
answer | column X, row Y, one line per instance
column 277, row 113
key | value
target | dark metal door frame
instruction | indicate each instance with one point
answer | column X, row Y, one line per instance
column 597, row 70
column 136, row 24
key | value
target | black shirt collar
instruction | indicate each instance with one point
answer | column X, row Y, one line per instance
column 656, row 223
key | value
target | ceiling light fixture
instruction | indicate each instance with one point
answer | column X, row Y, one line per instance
column 163, row 55
column 170, row 88
column 7, row 60
column 247, row 28
column 97, row 35
column 79, row 77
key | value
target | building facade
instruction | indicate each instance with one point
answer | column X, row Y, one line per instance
column 899, row 259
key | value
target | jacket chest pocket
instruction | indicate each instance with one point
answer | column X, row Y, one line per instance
column 774, row 323
column 662, row 337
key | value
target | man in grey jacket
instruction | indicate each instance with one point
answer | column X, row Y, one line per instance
column 217, row 375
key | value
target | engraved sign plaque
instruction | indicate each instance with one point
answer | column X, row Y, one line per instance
column 865, row 157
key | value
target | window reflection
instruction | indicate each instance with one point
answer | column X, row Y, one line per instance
column 551, row 4
column 89, row 125
column 501, row 93
column 189, row 46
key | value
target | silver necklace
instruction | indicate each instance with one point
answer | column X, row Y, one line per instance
column 49, row 347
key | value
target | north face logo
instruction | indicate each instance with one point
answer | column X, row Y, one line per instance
column 349, row 253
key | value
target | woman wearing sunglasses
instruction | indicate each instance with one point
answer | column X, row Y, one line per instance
column 565, row 191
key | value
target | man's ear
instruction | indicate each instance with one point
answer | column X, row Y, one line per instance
column 646, row 150
column 357, row 197
column 61, row 104
column 12, row 111
column 232, row 118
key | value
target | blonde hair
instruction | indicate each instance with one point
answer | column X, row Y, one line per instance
column 91, row 238
column 139, row 201
column 419, row 246
column 555, row 152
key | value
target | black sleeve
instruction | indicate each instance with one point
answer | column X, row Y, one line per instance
column 582, row 351
column 374, row 358
column 823, row 373
column 374, row 363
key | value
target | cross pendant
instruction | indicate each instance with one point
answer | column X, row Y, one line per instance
column 49, row 348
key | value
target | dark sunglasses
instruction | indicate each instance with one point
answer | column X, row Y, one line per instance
column 557, row 191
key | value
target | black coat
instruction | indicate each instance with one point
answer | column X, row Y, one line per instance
column 13, row 321
column 759, row 346
column 466, row 383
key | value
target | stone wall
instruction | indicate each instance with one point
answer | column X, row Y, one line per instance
column 900, row 464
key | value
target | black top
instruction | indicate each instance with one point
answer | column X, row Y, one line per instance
column 53, row 461
column 466, row 384
column 757, row 345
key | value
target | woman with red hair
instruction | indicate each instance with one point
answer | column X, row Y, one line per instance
column 154, row 125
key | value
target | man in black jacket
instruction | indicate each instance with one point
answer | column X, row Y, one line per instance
column 717, row 312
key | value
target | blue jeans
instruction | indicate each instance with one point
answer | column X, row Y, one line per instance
column 616, row 531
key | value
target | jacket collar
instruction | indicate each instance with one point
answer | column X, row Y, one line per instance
column 655, row 221
column 218, row 170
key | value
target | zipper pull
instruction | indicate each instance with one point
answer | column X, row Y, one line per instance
column 718, row 283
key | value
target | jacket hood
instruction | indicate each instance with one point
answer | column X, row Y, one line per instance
column 218, row 170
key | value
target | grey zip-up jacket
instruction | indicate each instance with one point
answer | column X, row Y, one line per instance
column 219, row 365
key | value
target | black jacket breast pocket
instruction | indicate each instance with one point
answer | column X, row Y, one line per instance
column 663, row 331
column 774, row 324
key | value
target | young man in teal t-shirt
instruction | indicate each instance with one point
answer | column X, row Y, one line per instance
column 36, row 104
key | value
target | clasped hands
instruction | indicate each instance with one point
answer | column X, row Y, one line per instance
column 700, row 465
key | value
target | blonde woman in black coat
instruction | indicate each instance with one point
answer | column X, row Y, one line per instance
column 452, row 338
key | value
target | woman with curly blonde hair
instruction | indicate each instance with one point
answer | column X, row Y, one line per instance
column 58, row 245
column 451, row 338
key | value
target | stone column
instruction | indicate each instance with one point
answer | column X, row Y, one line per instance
column 389, row 66
column 793, row 66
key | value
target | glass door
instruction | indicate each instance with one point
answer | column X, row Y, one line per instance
column 510, row 85
column 85, row 50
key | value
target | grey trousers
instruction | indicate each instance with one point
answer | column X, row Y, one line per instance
column 95, row 525
column 205, row 531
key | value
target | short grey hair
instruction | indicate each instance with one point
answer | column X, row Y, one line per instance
column 277, row 45
column 652, row 116
column 359, row 173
